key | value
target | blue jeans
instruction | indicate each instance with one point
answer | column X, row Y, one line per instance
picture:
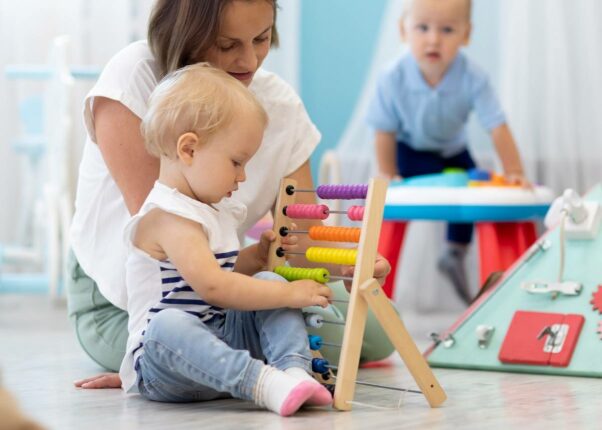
column 411, row 162
column 187, row 360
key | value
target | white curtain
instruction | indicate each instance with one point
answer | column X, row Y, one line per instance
column 552, row 88
column 97, row 29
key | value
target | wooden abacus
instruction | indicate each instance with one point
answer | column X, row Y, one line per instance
column 365, row 290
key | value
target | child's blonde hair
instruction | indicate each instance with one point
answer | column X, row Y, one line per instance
column 199, row 99
column 407, row 7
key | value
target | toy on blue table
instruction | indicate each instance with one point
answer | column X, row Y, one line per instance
column 456, row 177
column 448, row 178
column 459, row 196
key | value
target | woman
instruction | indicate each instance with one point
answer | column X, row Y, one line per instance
column 116, row 173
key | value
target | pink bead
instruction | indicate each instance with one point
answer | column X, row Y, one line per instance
column 301, row 211
column 356, row 213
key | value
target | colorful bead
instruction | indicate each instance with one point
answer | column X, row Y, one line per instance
column 343, row 192
column 297, row 273
column 315, row 342
column 356, row 213
column 335, row 234
column 331, row 255
column 302, row 211
column 319, row 365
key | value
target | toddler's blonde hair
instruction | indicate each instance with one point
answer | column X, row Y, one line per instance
column 407, row 7
column 199, row 99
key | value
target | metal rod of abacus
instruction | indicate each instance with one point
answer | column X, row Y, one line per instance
column 333, row 322
column 385, row 387
column 293, row 231
column 290, row 189
column 341, row 278
column 335, row 345
column 339, row 301
column 283, row 252
column 320, row 365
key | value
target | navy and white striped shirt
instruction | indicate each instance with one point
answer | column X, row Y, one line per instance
column 178, row 294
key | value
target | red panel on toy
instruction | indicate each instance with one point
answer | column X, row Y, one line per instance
column 541, row 338
column 563, row 358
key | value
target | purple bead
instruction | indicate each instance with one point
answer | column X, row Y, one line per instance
column 343, row 192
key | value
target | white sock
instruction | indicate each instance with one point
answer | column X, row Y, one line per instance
column 299, row 373
column 281, row 392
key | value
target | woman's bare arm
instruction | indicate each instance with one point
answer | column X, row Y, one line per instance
column 120, row 141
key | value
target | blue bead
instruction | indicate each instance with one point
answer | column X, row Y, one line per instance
column 315, row 342
column 319, row 365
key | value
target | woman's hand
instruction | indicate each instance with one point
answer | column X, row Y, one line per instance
column 381, row 270
column 103, row 380
column 288, row 243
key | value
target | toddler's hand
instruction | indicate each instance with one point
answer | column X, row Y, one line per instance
column 396, row 177
column 306, row 292
column 518, row 179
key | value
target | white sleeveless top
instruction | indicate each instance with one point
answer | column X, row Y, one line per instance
column 154, row 285
column 100, row 211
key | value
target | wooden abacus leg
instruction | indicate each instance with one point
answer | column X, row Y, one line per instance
column 350, row 353
column 403, row 342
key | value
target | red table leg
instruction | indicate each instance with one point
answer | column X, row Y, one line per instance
column 389, row 246
column 500, row 244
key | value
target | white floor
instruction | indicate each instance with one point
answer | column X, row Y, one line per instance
column 40, row 357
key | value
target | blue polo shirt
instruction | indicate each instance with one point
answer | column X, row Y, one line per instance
column 433, row 119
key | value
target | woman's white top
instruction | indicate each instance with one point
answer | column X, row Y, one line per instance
column 100, row 211
column 155, row 285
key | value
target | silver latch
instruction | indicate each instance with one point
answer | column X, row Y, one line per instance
column 556, row 336
column 448, row 341
column 484, row 334
column 566, row 288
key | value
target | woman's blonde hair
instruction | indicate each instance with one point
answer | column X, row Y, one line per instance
column 199, row 99
column 181, row 31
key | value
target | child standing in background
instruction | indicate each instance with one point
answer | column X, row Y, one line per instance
column 421, row 108
column 200, row 327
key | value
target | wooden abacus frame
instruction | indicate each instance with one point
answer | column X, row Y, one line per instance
column 365, row 292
